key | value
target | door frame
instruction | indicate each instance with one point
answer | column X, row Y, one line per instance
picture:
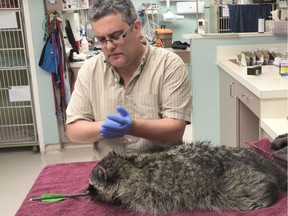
column 32, row 65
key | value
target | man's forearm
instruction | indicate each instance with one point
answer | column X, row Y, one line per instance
column 159, row 129
column 83, row 131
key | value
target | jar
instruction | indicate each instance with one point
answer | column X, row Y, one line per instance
column 283, row 65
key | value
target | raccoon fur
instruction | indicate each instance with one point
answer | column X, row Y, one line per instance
column 188, row 177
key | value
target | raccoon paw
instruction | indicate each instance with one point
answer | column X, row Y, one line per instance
column 261, row 204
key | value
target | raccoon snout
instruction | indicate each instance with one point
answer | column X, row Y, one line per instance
column 93, row 193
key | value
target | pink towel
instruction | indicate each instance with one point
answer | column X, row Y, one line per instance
column 71, row 178
column 263, row 146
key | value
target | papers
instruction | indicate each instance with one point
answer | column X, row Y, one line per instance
column 19, row 93
column 8, row 20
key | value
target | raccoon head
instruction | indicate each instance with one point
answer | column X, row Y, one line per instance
column 104, row 179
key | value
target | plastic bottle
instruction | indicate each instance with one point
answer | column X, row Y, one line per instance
column 261, row 25
column 261, row 21
column 283, row 65
column 84, row 45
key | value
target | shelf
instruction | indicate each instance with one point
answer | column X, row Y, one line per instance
column 68, row 6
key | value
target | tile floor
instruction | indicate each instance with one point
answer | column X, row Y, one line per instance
column 19, row 168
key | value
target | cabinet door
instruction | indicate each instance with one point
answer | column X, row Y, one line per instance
column 228, row 110
column 248, row 124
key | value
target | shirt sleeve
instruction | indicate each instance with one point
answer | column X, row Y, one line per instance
column 79, row 106
column 176, row 94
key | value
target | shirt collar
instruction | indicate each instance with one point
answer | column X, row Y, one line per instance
column 143, row 60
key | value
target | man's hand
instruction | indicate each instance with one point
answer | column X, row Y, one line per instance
column 116, row 125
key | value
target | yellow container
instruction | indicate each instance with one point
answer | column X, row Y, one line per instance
column 283, row 68
column 165, row 35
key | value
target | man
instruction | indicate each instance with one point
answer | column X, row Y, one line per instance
column 132, row 96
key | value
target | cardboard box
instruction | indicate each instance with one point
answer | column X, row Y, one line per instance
column 53, row 6
column 165, row 35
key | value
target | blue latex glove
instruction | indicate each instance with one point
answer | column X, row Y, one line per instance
column 116, row 125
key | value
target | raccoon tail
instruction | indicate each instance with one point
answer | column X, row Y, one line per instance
column 279, row 173
column 275, row 170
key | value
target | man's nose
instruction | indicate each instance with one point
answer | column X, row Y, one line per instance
column 110, row 44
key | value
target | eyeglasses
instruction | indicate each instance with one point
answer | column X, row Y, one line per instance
column 115, row 39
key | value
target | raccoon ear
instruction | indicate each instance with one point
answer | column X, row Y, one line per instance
column 101, row 174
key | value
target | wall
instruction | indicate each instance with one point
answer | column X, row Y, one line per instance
column 204, row 73
column 179, row 27
column 205, row 82
column 46, row 97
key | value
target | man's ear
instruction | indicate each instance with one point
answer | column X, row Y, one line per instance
column 137, row 27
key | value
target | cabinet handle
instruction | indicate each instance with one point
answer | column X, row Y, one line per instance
column 244, row 97
column 231, row 90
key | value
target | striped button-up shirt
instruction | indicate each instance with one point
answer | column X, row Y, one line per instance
column 159, row 88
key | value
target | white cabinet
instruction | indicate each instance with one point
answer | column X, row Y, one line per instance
column 228, row 114
column 248, row 112
column 248, row 124
column 66, row 5
column 251, row 107
column 239, row 112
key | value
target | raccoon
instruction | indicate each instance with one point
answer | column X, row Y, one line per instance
column 189, row 176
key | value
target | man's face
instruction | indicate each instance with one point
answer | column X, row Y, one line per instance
column 117, row 39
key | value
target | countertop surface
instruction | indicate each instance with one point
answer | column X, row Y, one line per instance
column 226, row 35
column 267, row 85
column 184, row 54
column 275, row 126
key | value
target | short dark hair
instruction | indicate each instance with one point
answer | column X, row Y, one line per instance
column 102, row 8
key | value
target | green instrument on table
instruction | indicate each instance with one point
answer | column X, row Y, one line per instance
column 57, row 197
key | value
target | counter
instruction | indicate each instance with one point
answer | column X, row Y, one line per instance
column 205, row 74
column 226, row 35
column 266, row 85
column 274, row 126
column 184, row 54
column 271, row 102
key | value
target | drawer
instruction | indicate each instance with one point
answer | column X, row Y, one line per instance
column 248, row 98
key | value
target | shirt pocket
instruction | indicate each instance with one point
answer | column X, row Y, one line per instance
column 147, row 106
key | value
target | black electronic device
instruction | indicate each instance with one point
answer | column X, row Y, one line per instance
column 71, row 40
column 254, row 70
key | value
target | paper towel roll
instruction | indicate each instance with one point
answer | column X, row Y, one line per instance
column 261, row 25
